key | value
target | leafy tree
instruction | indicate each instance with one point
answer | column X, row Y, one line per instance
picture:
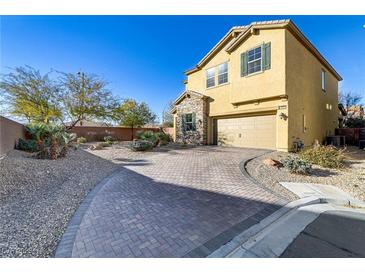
column 85, row 97
column 133, row 114
column 167, row 117
column 353, row 122
column 29, row 94
column 348, row 99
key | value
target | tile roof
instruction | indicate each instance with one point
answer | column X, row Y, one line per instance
column 244, row 30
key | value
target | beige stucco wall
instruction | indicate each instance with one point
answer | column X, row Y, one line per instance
column 246, row 96
column 305, row 95
column 10, row 132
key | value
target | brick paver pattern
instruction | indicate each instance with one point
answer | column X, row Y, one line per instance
column 168, row 203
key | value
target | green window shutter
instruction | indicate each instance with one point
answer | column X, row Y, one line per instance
column 243, row 64
column 266, row 56
column 194, row 121
column 183, row 119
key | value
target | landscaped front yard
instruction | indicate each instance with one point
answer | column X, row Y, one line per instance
column 165, row 192
column 351, row 179
column 165, row 202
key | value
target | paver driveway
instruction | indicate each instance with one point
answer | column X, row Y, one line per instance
column 173, row 203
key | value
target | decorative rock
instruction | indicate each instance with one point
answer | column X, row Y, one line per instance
column 97, row 146
column 272, row 162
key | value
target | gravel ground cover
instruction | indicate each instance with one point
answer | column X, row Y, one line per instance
column 351, row 179
column 38, row 198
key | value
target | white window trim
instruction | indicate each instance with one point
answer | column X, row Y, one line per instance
column 323, row 80
column 248, row 62
column 218, row 74
column 192, row 122
column 206, row 77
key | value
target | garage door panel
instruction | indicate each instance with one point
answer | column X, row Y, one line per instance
column 255, row 132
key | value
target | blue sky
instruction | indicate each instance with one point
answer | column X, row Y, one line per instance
column 144, row 57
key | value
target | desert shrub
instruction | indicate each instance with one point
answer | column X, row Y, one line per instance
column 28, row 145
column 150, row 136
column 297, row 165
column 354, row 122
column 325, row 156
column 52, row 141
column 163, row 138
column 141, row 145
column 109, row 139
column 81, row 140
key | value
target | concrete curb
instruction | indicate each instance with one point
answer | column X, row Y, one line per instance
column 327, row 193
column 65, row 246
column 272, row 241
column 270, row 237
column 244, row 236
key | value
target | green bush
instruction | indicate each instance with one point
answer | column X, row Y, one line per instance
column 52, row 141
column 163, row 137
column 109, row 139
column 81, row 140
column 354, row 123
column 149, row 136
column 28, row 145
column 325, row 156
column 155, row 138
column 297, row 165
column 141, row 145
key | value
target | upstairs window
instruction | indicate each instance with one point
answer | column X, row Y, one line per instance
column 223, row 73
column 323, row 80
column 210, row 77
column 254, row 60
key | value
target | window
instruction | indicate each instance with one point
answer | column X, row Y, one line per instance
column 254, row 60
column 323, row 79
column 210, row 77
column 223, row 73
column 189, row 122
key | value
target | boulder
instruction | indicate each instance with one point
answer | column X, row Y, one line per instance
column 272, row 162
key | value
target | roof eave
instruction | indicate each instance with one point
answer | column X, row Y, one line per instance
column 184, row 93
column 295, row 30
column 248, row 31
column 216, row 48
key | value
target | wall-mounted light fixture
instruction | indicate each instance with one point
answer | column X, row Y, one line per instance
column 283, row 116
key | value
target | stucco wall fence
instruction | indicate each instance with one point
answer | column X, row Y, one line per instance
column 93, row 134
column 10, row 132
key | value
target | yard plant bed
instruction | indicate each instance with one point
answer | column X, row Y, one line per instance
column 38, row 198
column 350, row 179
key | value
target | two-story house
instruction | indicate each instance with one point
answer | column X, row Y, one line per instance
column 263, row 85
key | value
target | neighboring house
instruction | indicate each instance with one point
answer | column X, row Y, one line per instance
column 263, row 85
column 355, row 112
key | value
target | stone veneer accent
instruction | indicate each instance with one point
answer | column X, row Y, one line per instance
column 192, row 103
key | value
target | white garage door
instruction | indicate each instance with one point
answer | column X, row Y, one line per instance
column 254, row 132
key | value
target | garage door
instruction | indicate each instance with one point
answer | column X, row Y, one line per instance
column 255, row 132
